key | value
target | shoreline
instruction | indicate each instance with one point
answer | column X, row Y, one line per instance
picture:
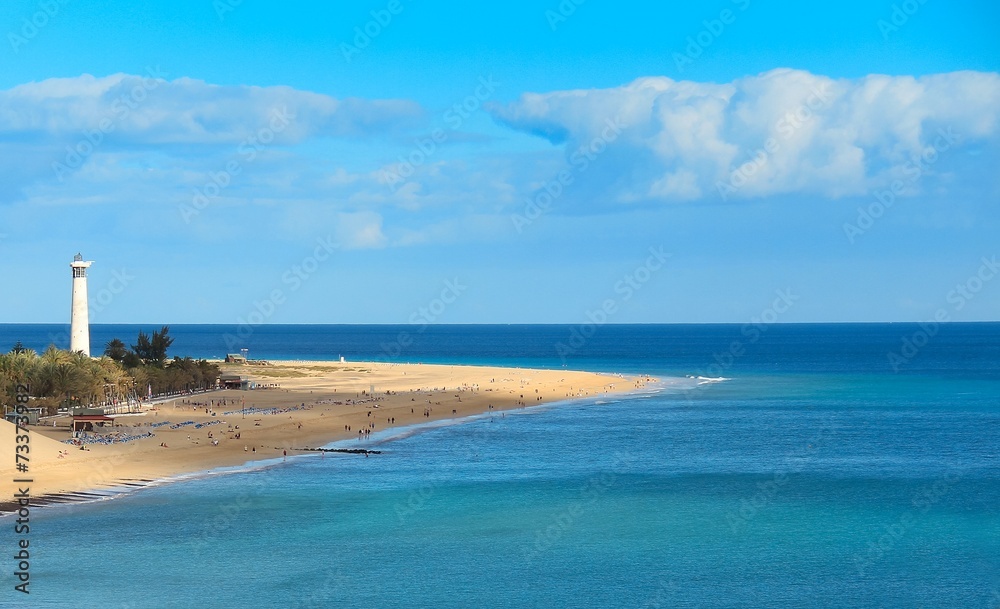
column 326, row 403
column 392, row 434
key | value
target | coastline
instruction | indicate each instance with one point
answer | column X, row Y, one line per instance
column 316, row 404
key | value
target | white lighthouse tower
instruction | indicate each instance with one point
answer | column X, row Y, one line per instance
column 79, row 326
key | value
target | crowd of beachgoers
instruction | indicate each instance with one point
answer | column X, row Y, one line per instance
column 272, row 410
column 141, row 431
column 119, row 437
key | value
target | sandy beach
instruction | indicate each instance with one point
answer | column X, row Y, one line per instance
column 310, row 404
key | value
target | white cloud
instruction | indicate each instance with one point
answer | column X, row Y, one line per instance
column 102, row 139
column 148, row 110
column 181, row 146
column 359, row 230
column 807, row 134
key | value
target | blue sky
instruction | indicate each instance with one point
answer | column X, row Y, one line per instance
column 219, row 159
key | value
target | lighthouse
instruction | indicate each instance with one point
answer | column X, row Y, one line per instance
column 79, row 326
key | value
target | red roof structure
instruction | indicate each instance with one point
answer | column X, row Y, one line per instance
column 86, row 421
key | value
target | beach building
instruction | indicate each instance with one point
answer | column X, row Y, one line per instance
column 33, row 415
column 234, row 381
column 85, row 419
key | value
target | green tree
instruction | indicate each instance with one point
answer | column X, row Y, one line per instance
column 160, row 343
column 143, row 348
column 153, row 351
column 59, row 377
column 116, row 350
column 131, row 361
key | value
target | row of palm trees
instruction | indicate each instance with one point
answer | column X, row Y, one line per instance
column 63, row 377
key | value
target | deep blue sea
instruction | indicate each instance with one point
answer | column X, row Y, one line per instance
column 847, row 466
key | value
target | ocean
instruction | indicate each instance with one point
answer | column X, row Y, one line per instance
column 828, row 465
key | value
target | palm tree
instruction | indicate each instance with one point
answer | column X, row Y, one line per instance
column 116, row 350
column 109, row 379
column 52, row 355
column 67, row 381
column 21, row 363
column 17, row 368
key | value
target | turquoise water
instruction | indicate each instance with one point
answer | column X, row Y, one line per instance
column 785, row 486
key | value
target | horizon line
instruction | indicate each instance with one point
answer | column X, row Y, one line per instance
column 638, row 323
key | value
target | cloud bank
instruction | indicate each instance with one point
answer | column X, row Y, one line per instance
column 150, row 110
column 784, row 131
column 200, row 154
